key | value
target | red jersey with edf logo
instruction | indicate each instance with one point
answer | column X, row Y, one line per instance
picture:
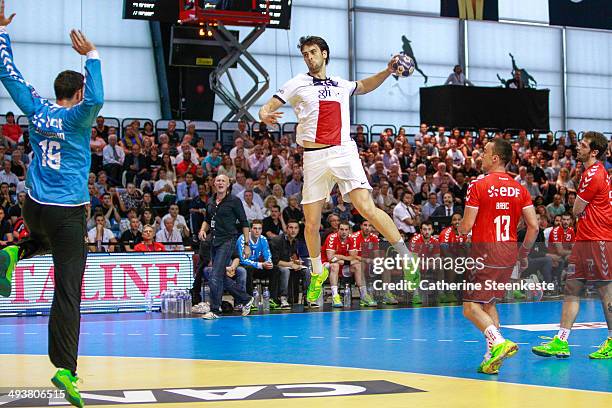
column 500, row 201
column 558, row 235
column 333, row 242
column 357, row 242
column 420, row 247
column 595, row 224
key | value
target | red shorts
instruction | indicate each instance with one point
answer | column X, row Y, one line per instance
column 592, row 260
column 498, row 275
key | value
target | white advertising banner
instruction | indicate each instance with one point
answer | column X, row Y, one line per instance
column 111, row 281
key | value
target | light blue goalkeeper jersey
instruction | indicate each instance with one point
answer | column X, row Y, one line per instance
column 59, row 136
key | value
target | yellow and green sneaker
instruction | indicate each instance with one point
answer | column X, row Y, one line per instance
column 604, row 351
column 555, row 347
column 498, row 354
column 337, row 301
column 368, row 301
column 316, row 285
column 9, row 257
column 65, row 381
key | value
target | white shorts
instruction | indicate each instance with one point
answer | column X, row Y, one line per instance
column 325, row 167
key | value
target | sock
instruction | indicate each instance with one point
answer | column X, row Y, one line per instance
column 563, row 334
column 317, row 266
column 401, row 248
column 334, row 290
column 489, row 347
column 363, row 291
column 492, row 333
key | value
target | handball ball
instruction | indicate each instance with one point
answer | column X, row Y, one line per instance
column 403, row 66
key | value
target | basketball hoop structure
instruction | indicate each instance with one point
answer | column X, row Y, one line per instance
column 237, row 53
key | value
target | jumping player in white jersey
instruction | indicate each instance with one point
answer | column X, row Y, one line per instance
column 321, row 104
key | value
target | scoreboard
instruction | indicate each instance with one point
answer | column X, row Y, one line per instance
column 168, row 10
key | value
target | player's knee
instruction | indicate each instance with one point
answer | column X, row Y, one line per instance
column 468, row 309
column 573, row 288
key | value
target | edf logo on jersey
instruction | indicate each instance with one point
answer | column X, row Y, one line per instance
column 504, row 192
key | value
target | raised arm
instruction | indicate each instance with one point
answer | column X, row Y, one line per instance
column 22, row 93
column 83, row 114
column 369, row 84
column 268, row 113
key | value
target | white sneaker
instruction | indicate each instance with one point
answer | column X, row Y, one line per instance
column 200, row 308
column 246, row 309
column 210, row 316
column 283, row 303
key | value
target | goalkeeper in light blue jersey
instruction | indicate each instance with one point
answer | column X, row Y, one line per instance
column 56, row 183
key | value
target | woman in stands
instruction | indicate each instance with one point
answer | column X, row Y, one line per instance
column 166, row 164
column 227, row 168
column 279, row 194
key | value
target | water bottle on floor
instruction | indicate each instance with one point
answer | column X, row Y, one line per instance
column 149, row 301
column 348, row 299
column 266, row 300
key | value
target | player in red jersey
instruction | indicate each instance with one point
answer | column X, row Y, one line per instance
column 494, row 206
column 562, row 237
column 363, row 247
column 336, row 257
column 592, row 251
column 426, row 245
column 450, row 246
column 321, row 105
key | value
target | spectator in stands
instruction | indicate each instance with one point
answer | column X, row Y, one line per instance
column 571, row 199
column 112, row 159
column 186, row 165
column 457, row 78
column 17, row 165
column 568, row 158
column 275, row 171
column 186, row 146
column 102, row 237
column 197, row 208
column 191, row 134
column 564, row 180
column 448, row 207
column 101, row 129
column 170, row 236
column 294, row 187
column 172, row 134
column 148, row 244
column 227, row 168
column 287, row 256
column 130, row 199
column 532, row 186
column 279, row 194
column 429, row 207
column 148, row 132
column 257, row 161
column 549, row 145
column 131, row 236
column 110, row 211
column 455, row 154
column 242, row 131
column 273, row 225
column 252, row 210
column 164, row 188
column 102, row 183
column 238, row 145
column 6, row 236
column 517, row 81
column 96, row 144
column 186, row 191
column 11, row 130
column 405, row 215
column 6, row 198
column 555, row 208
column 7, row 175
column 333, row 224
column 179, row 222
column 293, row 210
column 94, row 200
column 168, row 166
column 131, row 136
column 148, row 218
column 240, row 185
column 342, row 209
column 134, row 166
column 16, row 210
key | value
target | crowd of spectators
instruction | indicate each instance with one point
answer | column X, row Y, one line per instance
column 157, row 182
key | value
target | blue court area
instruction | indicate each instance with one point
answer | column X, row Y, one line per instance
column 435, row 341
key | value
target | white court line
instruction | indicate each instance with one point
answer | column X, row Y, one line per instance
column 470, row 341
column 368, row 338
column 574, row 345
column 264, row 336
column 316, row 337
column 419, row 339
column 444, row 340
column 522, row 343
column 5, row 333
column 85, row 333
column 29, row 334
column 134, row 334
column 238, row 335
column 160, row 334
column 342, row 337
column 290, row 337
column 186, row 334
column 213, row 335
column 108, row 334
column 394, row 339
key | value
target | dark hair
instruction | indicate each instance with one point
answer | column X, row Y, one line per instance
column 260, row 222
column 292, row 221
column 313, row 40
column 597, row 141
column 503, row 149
column 345, row 222
column 9, row 113
column 67, row 84
column 427, row 223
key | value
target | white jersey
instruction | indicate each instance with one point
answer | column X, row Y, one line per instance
column 321, row 106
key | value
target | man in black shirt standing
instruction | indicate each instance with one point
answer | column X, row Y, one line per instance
column 223, row 215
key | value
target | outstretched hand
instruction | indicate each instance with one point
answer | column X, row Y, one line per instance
column 3, row 20
column 80, row 43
